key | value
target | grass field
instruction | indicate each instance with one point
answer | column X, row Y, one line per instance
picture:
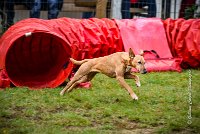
column 165, row 105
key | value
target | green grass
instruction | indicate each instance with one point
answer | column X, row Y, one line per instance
column 162, row 107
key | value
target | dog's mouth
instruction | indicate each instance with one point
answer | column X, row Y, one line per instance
column 143, row 71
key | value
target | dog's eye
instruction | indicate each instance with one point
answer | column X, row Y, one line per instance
column 139, row 62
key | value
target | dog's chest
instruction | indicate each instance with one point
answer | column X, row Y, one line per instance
column 128, row 69
column 109, row 72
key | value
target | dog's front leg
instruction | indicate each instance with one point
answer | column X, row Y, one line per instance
column 132, row 76
column 127, row 87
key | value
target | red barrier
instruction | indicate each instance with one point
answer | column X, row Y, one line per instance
column 35, row 53
column 148, row 34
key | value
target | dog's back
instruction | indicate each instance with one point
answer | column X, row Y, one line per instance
column 76, row 62
column 108, row 57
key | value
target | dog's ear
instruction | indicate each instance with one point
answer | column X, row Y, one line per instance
column 141, row 52
column 131, row 54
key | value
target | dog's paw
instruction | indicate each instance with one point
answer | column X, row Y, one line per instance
column 134, row 96
column 138, row 84
column 61, row 93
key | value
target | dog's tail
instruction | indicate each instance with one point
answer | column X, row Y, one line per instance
column 76, row 62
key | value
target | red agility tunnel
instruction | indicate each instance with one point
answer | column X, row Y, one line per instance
column 35, row 53
column 184, row 40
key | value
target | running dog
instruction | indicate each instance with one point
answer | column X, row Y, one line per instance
column 117, row 65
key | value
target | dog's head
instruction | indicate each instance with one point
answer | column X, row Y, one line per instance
column 137, row 61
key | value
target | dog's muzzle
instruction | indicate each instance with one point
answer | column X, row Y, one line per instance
column 144, row 71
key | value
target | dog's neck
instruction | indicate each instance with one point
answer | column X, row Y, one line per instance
column 128, row 64
column 128, row 68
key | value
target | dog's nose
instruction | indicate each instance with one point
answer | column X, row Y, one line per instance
column 144, row 71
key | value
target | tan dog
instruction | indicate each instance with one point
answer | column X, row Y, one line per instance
column 117, row 65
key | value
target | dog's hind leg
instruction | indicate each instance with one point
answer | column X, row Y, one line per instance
column 85, row 78
column 69, row 84
column 132, row 76
column 74, row 82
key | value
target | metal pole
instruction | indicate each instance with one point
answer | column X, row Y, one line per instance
column 174, row 9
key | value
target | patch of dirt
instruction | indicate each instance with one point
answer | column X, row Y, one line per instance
column 138, row 131
column 18, row 108
column 185, row 131
column 125, row 126
column 122, row 124
column 57, row 109
column 17, row 111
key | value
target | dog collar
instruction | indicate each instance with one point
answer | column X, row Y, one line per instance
column 128, row 68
